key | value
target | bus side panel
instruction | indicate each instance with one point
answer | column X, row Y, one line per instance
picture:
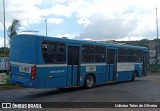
column 52, row 77
column 125, row 75
column 58, row 82
column 101, row 74
column 82, row 75
column 107, row 73
column 111, row 68
column 41, row 77
column 75, row 76
column 69, row 75
column 100, row 78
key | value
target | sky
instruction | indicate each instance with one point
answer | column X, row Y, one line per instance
column 84, row 19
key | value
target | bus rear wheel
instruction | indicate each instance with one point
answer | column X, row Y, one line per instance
column 89, row 81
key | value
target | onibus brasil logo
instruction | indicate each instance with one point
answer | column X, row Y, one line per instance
column 18, row 105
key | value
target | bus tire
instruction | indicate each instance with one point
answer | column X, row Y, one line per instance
column 89, row 81
column 133, row 76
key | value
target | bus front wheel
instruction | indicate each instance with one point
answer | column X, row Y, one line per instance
column 89, row 81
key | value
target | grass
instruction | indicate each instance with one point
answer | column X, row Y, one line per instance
column 154, row 68
column 8, row 84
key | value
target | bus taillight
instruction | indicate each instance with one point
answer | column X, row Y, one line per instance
column 33, row 72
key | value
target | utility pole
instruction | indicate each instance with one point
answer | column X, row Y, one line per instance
column 4, row 26
column 156, row 42
column 46, row 26
column 157, row 22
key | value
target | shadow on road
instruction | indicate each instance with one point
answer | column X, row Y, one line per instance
column 33, row 94
column 39, row 93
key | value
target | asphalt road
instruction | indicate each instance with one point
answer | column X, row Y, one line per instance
column 142, row 90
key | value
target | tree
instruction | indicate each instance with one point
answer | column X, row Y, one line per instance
column 144, row 43
column 4, row 53
column 12, row 30
column 157, row 41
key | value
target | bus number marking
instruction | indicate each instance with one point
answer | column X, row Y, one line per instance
column 90, row 68
column 25, row 69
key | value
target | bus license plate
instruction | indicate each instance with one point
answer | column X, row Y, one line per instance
column 25, row 69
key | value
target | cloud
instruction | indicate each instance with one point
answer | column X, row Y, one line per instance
column 106, row 19
column 70, row 36
column 1, row 25
column 55, row 20
column 25, row 11
column 29, row 13
column 130, row 38
column 101, row 19
column 61, row 10
column 2, row 42
column 102, row 28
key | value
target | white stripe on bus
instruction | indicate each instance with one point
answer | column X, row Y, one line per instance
column 38, row 65
column 128, row 66
column 21, row 64
column 120, row 66
column 93, row 64
column 52, row 65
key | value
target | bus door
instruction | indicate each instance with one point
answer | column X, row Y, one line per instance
column 73, row 66
column 112, row 62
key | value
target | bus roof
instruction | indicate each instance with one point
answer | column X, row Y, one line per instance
column 79, row 41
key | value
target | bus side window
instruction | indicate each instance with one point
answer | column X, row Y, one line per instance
column 88, row 53
column 100, row 54
column 111, row 56
column 138, row 54
column 122, row 55
column 44, row 47
column 54, row 52
column 131, row 55
column 84, row 59
column 62, row 48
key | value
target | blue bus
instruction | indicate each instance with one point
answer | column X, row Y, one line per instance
column 49, row 62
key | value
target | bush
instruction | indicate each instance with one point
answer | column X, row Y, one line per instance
column 154, row 68
column 8, row 80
